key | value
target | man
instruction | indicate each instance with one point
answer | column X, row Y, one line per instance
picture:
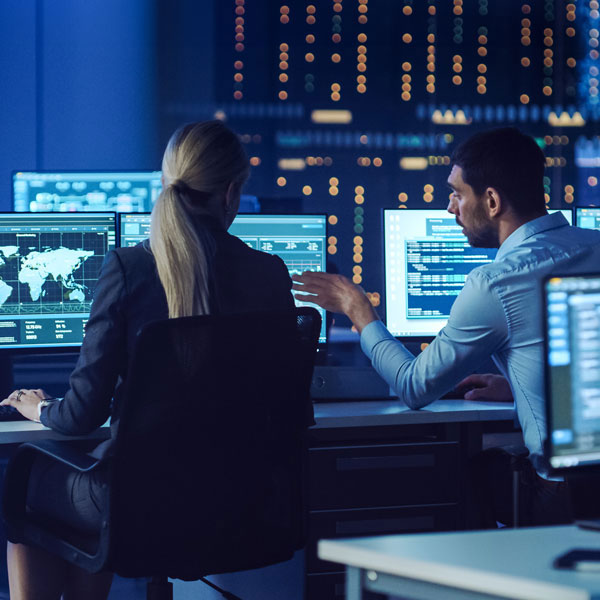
column 498, row 199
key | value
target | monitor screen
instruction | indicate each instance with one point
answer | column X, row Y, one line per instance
column 93, row 191
column 49, row 265
column 299, row 240
column 572, row 321
column 427, row 260
column 588, row 218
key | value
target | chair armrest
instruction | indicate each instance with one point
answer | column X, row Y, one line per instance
column 62, row 452
column 19, row 468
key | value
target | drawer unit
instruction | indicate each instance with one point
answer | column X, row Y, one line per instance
column 374, row 521
column 363, row 476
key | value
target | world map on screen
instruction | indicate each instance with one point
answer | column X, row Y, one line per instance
column 39, row 270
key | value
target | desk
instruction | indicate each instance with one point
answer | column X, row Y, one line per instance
column 327, row 415
column 379, row 468
column 478, row 565
column 375, row 467
column 17, row 432
column 394, row 412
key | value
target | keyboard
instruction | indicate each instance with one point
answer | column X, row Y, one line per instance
column 8, row 413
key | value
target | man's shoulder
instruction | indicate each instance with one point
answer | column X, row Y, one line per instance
column 543, row 254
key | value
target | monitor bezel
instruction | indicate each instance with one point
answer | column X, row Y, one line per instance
column 63, row 349
column 548, row 444
column 75, row 171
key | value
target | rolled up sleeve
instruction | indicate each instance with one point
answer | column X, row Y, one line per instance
column 477, row 327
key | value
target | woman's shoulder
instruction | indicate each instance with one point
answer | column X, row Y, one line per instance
column 136, row 256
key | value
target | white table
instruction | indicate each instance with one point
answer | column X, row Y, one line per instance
column 395, row 412
column 17, row 432
column 482, row 565
column 327, row 415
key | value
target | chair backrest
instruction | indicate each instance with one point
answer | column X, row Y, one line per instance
column 210, row 456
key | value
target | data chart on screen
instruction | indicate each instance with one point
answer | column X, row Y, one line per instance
column 299, row 240
column 119, row 191
column 572, row 323
column 427, row 260
column 588, row 217
column 49, row 266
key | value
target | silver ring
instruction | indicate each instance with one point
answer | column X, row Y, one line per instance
column 21, row 392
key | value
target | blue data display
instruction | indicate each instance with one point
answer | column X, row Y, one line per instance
column 93, row 191
column 427, row 261
column 588, row 218
column 573, row 358
column 299, row 240
column 49, row 266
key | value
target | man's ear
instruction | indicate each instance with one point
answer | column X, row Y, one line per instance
column 493, row 202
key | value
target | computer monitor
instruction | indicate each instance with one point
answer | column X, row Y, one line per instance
column 588, row 217
column 299, row 240
column 49, row 265
column 127, row 191
column 572, row 352
column 427, row 260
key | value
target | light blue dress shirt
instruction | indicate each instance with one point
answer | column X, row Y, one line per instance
column 499, row 314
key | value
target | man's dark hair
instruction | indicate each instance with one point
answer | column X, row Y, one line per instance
column 507, row 160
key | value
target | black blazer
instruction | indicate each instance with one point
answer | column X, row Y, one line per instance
column 128, row 295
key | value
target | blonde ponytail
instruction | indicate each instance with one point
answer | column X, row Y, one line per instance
column 200, row 164
column 181, row 258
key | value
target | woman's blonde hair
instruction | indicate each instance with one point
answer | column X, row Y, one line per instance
column 201, row 162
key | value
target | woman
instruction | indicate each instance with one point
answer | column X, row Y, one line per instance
column 189, row 266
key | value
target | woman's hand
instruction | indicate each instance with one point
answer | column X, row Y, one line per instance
column 26, row 402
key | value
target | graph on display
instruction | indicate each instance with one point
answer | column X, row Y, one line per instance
column 299, row 240
column 54, row 191
column 427, row 261
column 49, row 266
column 298, row 254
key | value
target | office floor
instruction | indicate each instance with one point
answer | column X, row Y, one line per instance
column 284, row 580
column 122, row 589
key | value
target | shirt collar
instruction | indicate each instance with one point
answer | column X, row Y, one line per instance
column 529, row 229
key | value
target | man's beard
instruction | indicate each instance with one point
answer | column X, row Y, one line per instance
column 481, row 234
column 485, row 236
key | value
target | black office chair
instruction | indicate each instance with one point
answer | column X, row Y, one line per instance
column 208, row 473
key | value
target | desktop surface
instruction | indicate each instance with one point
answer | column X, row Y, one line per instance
column 510, row 563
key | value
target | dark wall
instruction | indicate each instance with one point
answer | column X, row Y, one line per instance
column 78, row 87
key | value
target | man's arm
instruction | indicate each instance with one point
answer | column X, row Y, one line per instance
column 335, row 293
column 476, row 328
